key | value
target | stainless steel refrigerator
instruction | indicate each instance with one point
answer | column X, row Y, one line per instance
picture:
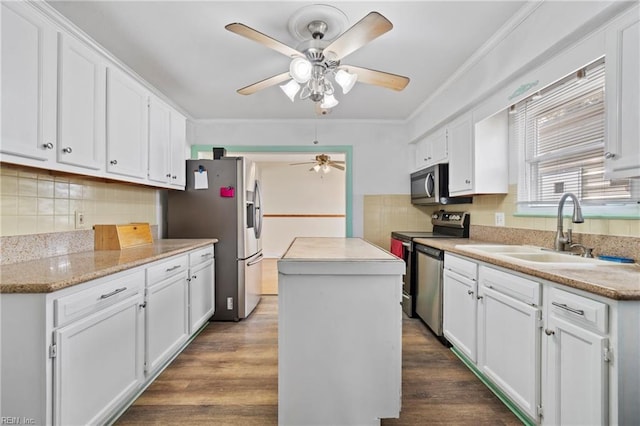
column 222, row 200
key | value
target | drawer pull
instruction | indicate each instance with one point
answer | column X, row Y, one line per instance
column 113, row 293
column 205, row 255
column 173, row 268
column 567, row 308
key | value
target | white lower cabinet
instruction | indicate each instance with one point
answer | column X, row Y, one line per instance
column 576, row 385
column 98, row 361
column 201, row 293
column 509, row 321
column 460, row 305
column 167, row 311
column 80, row 355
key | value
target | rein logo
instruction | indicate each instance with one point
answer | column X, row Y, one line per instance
column 523, row 88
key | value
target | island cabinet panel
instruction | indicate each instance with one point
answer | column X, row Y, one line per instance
column 339, row 337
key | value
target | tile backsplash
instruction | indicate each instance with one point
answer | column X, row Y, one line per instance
column 386, row 213
column 34, row 201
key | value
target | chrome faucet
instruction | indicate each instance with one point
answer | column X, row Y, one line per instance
column 561, row 240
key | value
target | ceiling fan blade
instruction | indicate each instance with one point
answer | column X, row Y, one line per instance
column 336, row 166
column 337, row 162
column 297, row 164
column 378, row 78
column 263, row 39
column 263, row 84
column 362, row 32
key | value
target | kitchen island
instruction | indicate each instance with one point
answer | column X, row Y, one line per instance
column 339, row 333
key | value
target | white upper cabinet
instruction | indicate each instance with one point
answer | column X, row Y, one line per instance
column 127, row 125
column 28, row 85
column 432, row 150
column 178, row 145
column 478, row 155
column 167, row 140
column 159, row 141
column 81, row 105
column 622, row 143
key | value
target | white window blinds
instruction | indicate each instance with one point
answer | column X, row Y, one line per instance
column 561, row 137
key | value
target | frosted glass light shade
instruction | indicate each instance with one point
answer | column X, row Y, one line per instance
column 329, row 101
column 346, row 80
column 290, row 89
column 326, row 169
column 316, row 168
column 300, row 70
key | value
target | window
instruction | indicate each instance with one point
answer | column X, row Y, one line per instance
column 560, row 133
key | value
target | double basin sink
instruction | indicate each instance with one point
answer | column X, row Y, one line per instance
column 534, row 255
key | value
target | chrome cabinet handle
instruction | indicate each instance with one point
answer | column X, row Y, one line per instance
column 113, row 293
column 174, row 177
column 168, row 175
column 47, row 145
column 479, row 297
column 173, row 268
column 467, row 181
column 205, row 255
column 567, row 308
column 67, row 150
column 549, row 332
column 470, row 292
column 194, row 276
column 114, row 162
column 609, row 155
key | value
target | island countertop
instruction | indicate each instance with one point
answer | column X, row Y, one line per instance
column 336, row 255
column 55, row 273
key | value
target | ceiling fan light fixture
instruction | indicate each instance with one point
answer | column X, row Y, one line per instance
column 290, row 89
column 329, row 101
column 300, row 70
column 326, row 168
column 316, row 168
column 346, row 80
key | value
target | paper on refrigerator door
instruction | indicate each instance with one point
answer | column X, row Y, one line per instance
column 200, row 180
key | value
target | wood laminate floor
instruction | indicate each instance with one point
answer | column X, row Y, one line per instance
column 228, row 375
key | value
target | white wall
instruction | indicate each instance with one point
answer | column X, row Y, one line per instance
column 293, row 190
column 380, row 151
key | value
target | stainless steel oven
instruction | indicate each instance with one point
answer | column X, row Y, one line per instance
column 445, row 225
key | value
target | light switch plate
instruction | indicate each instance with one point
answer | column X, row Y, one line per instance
column 499, row 219
column 79, row 220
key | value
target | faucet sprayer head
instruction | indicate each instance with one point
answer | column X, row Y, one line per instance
column 577, row 214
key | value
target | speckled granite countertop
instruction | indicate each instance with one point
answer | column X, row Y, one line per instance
column 615, row 281
column 57, row 272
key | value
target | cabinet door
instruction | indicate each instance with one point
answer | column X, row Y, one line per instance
column 201, row 295
column 159, row 140
column 178, row 146
column 509, row 347
column 622, row 151
column 127, row 125
column 29, row 84
column 166, row 320
column 432, row 150
column 98, row 363
column 459, row 313
column 81, row 105
column 461, row 157
column 576, row 390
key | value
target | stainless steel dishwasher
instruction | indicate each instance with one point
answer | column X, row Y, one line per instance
column 430, row 269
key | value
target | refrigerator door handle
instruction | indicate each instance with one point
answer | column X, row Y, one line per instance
column 256, row 261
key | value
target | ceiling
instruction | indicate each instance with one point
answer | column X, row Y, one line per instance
column 183, row 49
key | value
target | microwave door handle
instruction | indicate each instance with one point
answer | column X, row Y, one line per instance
column 429, row 181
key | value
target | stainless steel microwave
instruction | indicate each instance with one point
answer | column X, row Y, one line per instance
column 430, row 187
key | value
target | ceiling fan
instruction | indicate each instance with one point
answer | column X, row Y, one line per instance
column 316, row 61
column 323, row 162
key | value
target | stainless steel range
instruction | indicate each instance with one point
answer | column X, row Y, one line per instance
column 445, row 225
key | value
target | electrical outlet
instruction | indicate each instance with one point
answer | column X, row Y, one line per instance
column 499, row 219
column 229, row 303
column 79, row 220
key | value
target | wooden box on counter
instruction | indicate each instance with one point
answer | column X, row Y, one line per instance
column 118, row 237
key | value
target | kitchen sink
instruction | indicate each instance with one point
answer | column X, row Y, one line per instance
column 499, row 248
column 552, row 257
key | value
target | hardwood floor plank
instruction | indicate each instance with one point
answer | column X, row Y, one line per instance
column 229, row 376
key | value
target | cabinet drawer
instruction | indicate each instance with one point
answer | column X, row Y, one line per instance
column 199, row 256
column 579, row 310
column 85, row 302
column 519, row 288
column 166, row 268
column 466, row 268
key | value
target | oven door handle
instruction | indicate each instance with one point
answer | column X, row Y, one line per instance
column 405, row 296
column 406, row 244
